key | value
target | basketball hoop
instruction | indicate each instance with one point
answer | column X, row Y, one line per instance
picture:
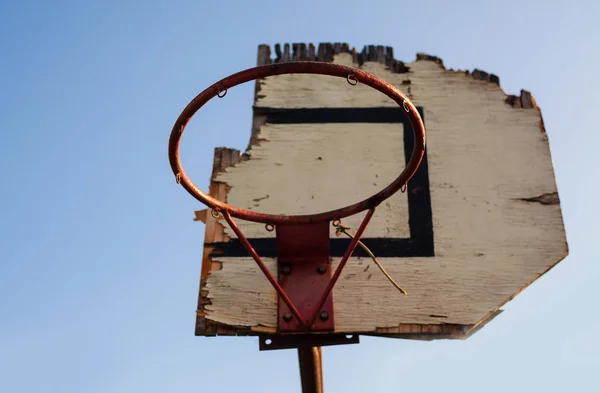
column 303, row 240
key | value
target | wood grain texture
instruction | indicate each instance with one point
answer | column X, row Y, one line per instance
column 299, row 157
column 490, row 170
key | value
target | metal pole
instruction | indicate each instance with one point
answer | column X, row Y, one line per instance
column 311, row 369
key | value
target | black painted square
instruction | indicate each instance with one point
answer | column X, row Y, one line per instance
column 420, row 220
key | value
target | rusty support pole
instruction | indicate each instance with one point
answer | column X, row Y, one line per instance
column 311, row 369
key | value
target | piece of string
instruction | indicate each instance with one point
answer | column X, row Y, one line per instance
column 339, row 228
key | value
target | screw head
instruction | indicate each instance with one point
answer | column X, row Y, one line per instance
column 287, row 317
column 324, row 315
column 322, row 269
column 286, row 269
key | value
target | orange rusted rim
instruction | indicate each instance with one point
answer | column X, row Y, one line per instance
column 309, row 67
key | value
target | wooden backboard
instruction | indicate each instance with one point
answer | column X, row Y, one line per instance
column 479, row 222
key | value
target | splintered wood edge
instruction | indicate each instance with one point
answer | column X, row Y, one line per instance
column 224, row 157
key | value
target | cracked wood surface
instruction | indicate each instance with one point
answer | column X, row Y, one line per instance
column 490, row 174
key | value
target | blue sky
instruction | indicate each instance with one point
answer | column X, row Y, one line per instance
column 100, row 258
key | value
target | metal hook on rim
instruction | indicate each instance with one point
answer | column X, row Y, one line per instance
column 221, row 92
column 319, row 68
column 403, row 188
column 269, row 227
column 405, row 105
column 352, row 80
column 178, row 177
column 215, row 213
column 339, row 227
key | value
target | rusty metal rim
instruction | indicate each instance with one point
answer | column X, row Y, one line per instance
column 307, row 67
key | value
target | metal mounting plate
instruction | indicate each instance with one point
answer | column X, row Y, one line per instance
column 304, row 271
column 288, row 341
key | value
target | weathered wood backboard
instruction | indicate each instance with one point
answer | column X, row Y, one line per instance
column 479, row 222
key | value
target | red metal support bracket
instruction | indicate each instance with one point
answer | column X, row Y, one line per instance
column 304, row 274
column 305, row 248
column 263, row 267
